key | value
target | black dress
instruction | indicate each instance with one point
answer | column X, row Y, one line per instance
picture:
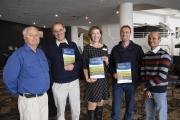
column 97, row 91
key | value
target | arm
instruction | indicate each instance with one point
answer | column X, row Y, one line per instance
column 112, row 65
column 86, row 66
column 163, row 71
column 46, row 50
column 106, row 57
column 87, row 76
column 77, row 65
column 146, row 87
column 78, row 59
column 11, row 72
column 106, row 60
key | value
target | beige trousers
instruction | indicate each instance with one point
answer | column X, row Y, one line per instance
column 35, row 108
column 61, row 92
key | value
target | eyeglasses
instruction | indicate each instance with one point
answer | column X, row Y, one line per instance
column 59, row 31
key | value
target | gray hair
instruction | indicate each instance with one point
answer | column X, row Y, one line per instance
column 27, row 28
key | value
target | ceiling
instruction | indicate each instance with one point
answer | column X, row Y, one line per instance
column 164, row 11
column 72, row 12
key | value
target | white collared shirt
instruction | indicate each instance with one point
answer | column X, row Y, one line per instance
column 156, row 49
column 59, row 42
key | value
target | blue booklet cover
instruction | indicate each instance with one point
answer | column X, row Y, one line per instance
column 124, row 72
column 96, row 67
column 68, row 55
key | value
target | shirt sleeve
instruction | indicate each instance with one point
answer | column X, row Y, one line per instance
column 140, row 65
column 163, row 69
column 106, row 54
column 11, row 72
column 85, row 59
column 112, row 64
column 78, row 59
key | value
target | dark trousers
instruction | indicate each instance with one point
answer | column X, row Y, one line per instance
column 118, row 91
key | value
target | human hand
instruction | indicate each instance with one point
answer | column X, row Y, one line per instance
column 106, row 59
column 148, row 94
column 91, row 80
column 69, row 67
column 115, row 76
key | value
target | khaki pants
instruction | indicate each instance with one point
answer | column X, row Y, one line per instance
column 35, row 108
column 61, row 92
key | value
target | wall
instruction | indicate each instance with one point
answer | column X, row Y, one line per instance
column 111, row 31
column 110, row 35
column 144, row 18
column 11, row 38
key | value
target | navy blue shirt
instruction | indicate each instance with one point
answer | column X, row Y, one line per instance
column 27, row 71
column 133, row 53
column 55, row 56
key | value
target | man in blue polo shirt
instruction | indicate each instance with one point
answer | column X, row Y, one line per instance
column 26, row 74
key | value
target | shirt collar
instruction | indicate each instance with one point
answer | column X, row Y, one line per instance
column 129, row 46
column 59, row 42
column 156, row 49
column 28, row 48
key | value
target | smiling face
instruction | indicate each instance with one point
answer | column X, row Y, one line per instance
column 59, row 32
column 125, row 34
column 153, row 39
column 95, row 35
column 31, row 36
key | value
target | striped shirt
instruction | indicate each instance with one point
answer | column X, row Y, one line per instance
column 154, row 70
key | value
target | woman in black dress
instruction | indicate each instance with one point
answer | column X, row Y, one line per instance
column 96, row 88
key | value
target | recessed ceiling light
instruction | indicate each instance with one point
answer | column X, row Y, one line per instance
column 34, row 23
column 56, row 15
column 86, row 17
column 0, row 15
column 90, row 22
column 117, row 11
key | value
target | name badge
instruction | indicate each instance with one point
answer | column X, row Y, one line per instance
column 105, row 49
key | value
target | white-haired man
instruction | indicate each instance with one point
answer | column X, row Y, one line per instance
column 26, row 74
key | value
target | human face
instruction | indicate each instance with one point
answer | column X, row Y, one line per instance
column 95, row 35
column 31, row 37
column 125, row 34
column 153, row 40
column 59, row 32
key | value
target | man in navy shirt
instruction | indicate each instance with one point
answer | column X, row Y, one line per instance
column 26, row 74
column 128, row 55
column 65, row 62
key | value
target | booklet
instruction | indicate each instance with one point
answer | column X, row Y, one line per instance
column 124, row 72
column 96, row 67
column 68, row 55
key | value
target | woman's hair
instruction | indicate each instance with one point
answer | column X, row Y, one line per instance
column 93, row 28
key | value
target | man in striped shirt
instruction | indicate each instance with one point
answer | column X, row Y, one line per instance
column 154, row 71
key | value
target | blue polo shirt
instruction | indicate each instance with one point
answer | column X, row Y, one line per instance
column 27, row 71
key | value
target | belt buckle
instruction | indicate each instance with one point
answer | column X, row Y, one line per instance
column 28, row 95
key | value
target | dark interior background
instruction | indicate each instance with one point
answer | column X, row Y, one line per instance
column 11, row 35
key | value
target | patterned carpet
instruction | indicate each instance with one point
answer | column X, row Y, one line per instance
column 9, row 111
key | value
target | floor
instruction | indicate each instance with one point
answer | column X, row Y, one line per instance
column 9, row 111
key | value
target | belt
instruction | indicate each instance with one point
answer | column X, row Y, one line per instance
column 30, row 95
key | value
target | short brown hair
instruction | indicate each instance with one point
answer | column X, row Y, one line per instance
column 125, row 26
column 56, row 23
column 93, row 28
